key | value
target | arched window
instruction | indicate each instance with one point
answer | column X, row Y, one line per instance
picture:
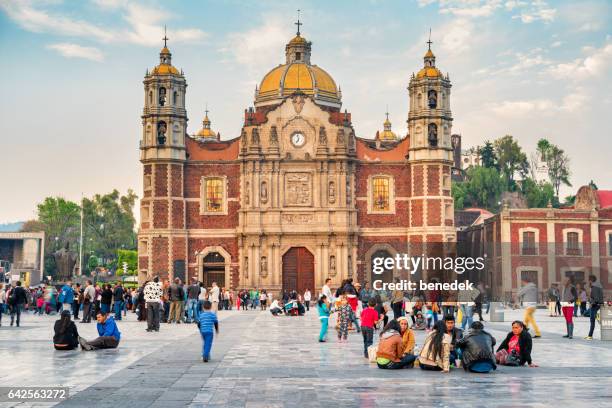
column 162, row 128
column 175, row 98
column 432, row 134
column 432, row 99
column 150, row 97
column 214, row 195
column 162, row 96
column 380, row 193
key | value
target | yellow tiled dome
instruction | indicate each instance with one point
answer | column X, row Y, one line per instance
column 286, row 79
column 165, row 69
column 429, row 72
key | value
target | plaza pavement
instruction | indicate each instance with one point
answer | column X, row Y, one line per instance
column 262, row 361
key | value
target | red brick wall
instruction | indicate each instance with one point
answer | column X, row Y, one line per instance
column 195, row 171
column 515, row 237
column 160, row 214
column 160, row 257
column 198, row 244
column 176, row 180
column 433, row 180
column 586, row 237
column 434, row 212
column 177, row 214
column 417, row 213
column 179, row 249
column 418, row 180
column 161, row 180
column 399, row 219
column 143, row 262
column 197, row 221
column 399, row 172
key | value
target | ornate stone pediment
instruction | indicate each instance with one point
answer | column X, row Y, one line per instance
column 298, row 189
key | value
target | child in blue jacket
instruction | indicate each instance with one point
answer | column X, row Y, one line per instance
column 206, row 321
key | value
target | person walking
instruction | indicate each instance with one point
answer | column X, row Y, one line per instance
column 568, row 298
column 326, row 290
column 344, row 317
column 307, row 298
column 397, row 302
column 324, row 308
column 66, row 296
column 214, row 297
column 78, row 300
column 596, row 300
column 466, row 304
column 582, row 299
column 176, row 299
column 193, row 292
column 369, row 318
column 263, row 299
column 89, row 295
column 528, row 294
column 206, row 322
column 16, row 299
column 106, row 298
column 553, row 297
column 153, row 299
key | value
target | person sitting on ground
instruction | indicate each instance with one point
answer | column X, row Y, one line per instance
column 66, row 336
column 456, row 335
column 515, row 350
column 408, row 340
column 436, row 349
column 108, row 332
column 477, row 350
column 390, row 354
column 275, row 308
column 419, row 321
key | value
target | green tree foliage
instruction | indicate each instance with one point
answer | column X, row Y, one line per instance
column 128, row 256
column 60, row 219
column 487, row 155
column 109, row 223
column 482, row 188
column 538, row 195
column 511, row 160
column 557, row 162
column 93, row 262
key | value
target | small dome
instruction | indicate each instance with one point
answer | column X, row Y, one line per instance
column 387, row 134
column 429, row 72
column 206, row 133
column 165, row 66
column 298, row 39
column 429, row 54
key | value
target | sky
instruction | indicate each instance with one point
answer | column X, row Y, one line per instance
column 72, row 77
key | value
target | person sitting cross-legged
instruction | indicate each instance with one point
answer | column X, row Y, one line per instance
column 66, row 336
column 108, row 332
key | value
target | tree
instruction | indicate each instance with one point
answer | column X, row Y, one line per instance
column 593, row 185
column 511, row 160
column 487, row 155
column 60, row 219
column 32, row 226
column 537, row 195
column 109, row 223
column 558, row 168
column 482, row 188
column 93, row 262
column 128, row 256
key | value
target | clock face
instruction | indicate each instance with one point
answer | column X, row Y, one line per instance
column 298, row 139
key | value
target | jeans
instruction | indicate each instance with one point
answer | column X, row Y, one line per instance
column 75, row 310
column 467, row 312
column 594, row 309
column 118, row 308
column 86, row 312
column 105, row 307
column 207, row 340
column 368, row 338
column 104, row 342
column 406, row 361
column 307, row 303
column 153, row 316
column 323, row 332
column 192, row 310
column 397, row 309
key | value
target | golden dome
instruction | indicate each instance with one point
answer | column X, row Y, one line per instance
column 298, row 39
column 429, row 72
column 429, row 54
column 387, row 134
column 206, row 132
column 287, row 79
column 165, row 69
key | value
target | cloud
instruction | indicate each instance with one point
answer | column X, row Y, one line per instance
column 70, row 50
column 529, row 11
column 573, row 102
column 41, row 21
column 586, row 15
column 259, row 47
column 463, row 8
column 457, row 37
column 537, row 14
column 597, row 63
column 145, row 23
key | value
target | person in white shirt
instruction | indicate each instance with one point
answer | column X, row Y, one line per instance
column 214, row 297
column 152, row 296
column 326, row 290
column 307, row 297
column 275, row 308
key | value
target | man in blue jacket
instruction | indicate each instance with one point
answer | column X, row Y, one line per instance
column 108, row 332
column 67, row 296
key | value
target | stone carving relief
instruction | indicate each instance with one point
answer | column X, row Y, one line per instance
column 348, row 191
column 255, row 136
column 332, row 265
column 298, row 189
column 247, row 193
column 332, row 192
column 264, row 192
column 322, row 136
column 273, row 136
column 298, row 103
column 340, row 137
column 297, row 218
column 264, row 267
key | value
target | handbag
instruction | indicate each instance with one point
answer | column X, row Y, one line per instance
column 372, row 350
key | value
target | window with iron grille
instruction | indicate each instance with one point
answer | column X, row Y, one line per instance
column 529, row 243
column 573, row 244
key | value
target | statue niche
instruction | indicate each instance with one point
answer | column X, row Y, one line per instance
column 273, row 136
column 432, row 99
column 432, row 134
column 264, row 192
column 322, row 136
column 161, row 132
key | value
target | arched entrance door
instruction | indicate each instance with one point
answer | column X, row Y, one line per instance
column 214, row 269
column 298, row 270
column 387, row 275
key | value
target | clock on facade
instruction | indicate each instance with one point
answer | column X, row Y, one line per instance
column 298, row 139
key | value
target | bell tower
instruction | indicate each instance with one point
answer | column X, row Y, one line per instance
column 161, row 244
column 430, row 154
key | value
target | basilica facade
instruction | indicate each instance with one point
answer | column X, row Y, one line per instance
column 298, row 196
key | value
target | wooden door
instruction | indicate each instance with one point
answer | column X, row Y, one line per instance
column 298, row 270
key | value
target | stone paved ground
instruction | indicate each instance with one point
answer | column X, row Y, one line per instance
column 262, row 361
